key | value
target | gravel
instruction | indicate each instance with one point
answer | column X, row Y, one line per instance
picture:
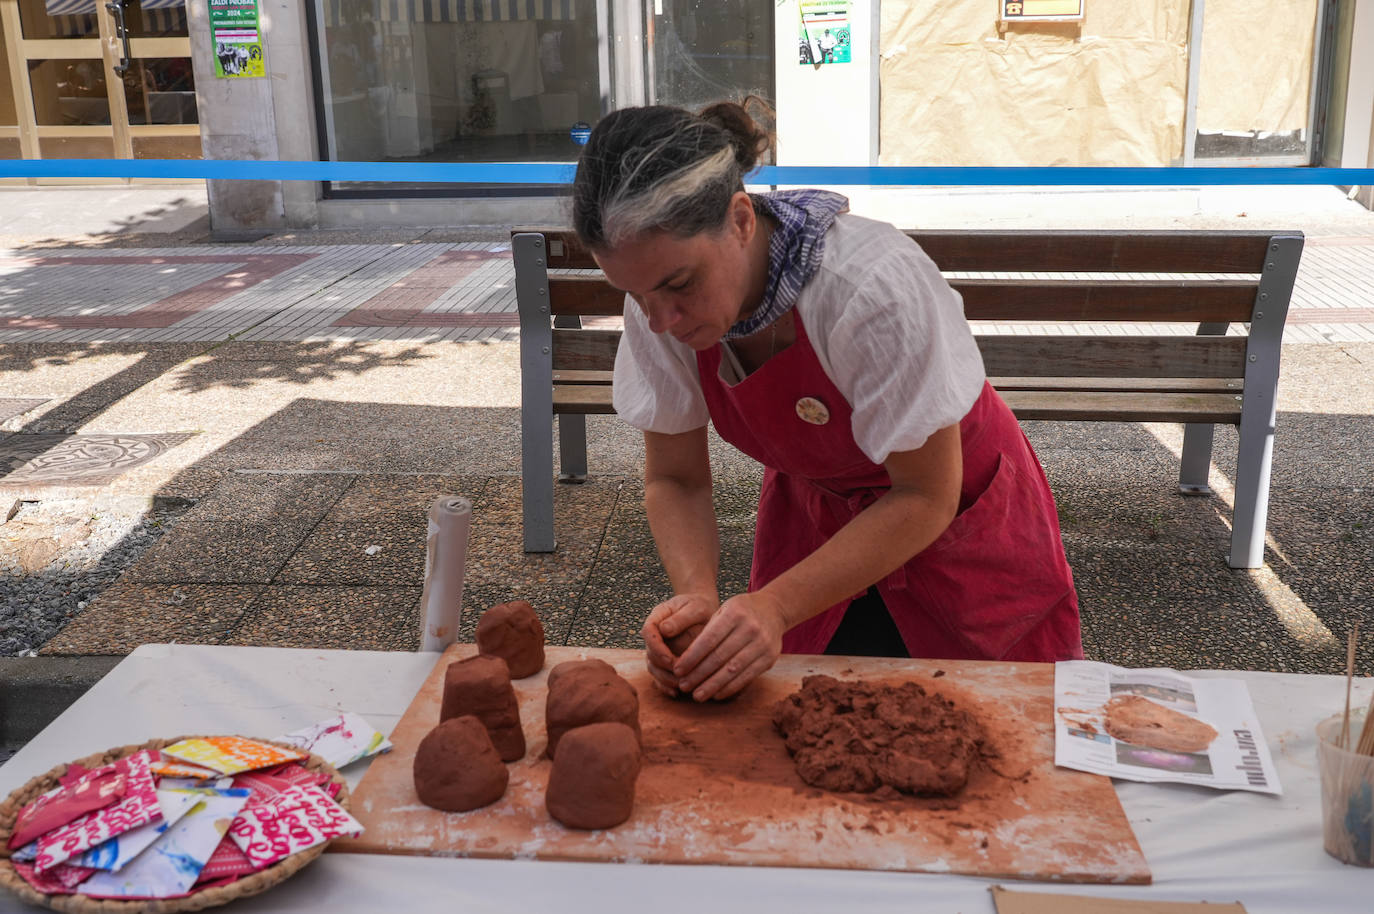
column 57, row 556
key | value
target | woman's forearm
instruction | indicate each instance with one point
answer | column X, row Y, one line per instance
column 682, row 518
column 877, row 541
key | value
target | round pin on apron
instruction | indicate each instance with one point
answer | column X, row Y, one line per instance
column 812, row 410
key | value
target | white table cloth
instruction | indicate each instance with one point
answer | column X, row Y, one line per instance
column 1202, row 845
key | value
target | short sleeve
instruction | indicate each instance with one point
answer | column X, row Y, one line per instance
column 656, row 387
column 902, row 353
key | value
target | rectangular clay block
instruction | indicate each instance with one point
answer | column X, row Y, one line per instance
column 718, row 787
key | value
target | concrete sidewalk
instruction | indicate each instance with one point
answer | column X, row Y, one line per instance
column 320, row 395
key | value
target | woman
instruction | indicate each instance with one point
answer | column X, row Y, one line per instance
column 829, row 348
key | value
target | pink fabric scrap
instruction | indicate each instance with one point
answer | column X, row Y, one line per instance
column 87, row 792
column 138, row 807
column 228, row 859
column 297, row 819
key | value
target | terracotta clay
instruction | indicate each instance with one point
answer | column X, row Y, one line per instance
column 592, row 784
column 679, row 643
column 457, row 768
column 1141, row 722
column 480, row 686
column 572, row 666
column 513, row 632
column 588, row 694
column 852, row 736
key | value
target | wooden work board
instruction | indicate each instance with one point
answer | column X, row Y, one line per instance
column 717, row 786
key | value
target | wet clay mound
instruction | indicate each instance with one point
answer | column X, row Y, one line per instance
column 854, row 736
column 1142, row 722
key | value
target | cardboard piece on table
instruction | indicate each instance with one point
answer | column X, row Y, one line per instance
column 1011, row 902
column 231, row 754
column 718, row 787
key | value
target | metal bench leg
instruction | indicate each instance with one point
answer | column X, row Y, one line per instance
column 536, row 391
column 572, row 448
column 1259, row 410
column 1252, row 491
column 1197, row 437
column 1197, row 459
column 536, row 469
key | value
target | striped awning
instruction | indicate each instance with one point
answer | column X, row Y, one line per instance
column 82, row 7
column 76, row 18
column 450, row 10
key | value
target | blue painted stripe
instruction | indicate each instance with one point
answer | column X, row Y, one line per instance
column 562, row 173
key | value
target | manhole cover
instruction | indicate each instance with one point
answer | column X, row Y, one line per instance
column 46, row 459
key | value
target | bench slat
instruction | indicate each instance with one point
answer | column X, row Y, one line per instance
column 1111, row 357
column 1011, row 299
column 585, row 295
column 1158, row 385
column 585, row 350
column 572, row 376
column 1068, row 251
column 1123, row 385
column 1093, row 252
column 1012, row 356
column 582, row 399
column 1102, row 406
column 1130, row 406
column 1048, row 301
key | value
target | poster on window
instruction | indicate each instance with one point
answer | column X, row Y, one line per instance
column 825, row 34
column 237, row 38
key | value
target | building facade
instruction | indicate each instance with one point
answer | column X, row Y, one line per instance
column 842, row 82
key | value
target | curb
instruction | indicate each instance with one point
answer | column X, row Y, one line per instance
column 35, row 690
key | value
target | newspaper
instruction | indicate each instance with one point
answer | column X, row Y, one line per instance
column 1159, row 725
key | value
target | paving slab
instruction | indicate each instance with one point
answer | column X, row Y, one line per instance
column 131, row 613
column 346, row 618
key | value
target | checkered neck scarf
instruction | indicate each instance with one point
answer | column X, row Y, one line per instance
column 794, row 251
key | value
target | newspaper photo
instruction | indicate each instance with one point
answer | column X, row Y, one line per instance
column 1159, row 725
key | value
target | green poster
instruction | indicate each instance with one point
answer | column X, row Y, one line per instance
column 237, row 37
column 825, row 35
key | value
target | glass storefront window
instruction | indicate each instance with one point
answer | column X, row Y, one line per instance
column 161, row 91
column 706, row 51
column 155, row 18
column 166, row 147
column 456, row 80
column 69, row 93
column 77, row 18
column 58, row 19
column 76, row 147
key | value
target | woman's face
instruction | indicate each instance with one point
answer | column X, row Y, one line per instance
column 694, row 288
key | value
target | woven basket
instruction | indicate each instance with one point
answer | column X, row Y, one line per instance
column 244, row 886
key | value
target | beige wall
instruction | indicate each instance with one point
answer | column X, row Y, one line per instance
column 1108, row 91
column 1256, row 64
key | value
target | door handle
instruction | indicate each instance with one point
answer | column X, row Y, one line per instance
column 116, row 9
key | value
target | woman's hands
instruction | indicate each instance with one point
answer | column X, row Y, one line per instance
column 741, row 640
column 667, row 621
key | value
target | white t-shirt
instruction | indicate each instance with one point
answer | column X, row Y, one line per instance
column 887, row 329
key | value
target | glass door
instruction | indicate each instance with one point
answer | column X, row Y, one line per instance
column 91, row 79
column 704, row 51
column 456, row 81
column 1252, row 82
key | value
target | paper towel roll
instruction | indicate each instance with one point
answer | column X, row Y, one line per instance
column 446, row 554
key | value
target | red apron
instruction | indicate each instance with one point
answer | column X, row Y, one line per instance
column 995, row 585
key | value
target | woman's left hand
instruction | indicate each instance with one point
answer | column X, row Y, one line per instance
column 742, row 640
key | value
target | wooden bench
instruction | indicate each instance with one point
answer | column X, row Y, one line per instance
column 1199, row 377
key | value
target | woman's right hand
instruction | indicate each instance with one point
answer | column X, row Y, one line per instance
column 669, row 619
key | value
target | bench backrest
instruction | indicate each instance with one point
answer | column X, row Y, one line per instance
column 1215, row 279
